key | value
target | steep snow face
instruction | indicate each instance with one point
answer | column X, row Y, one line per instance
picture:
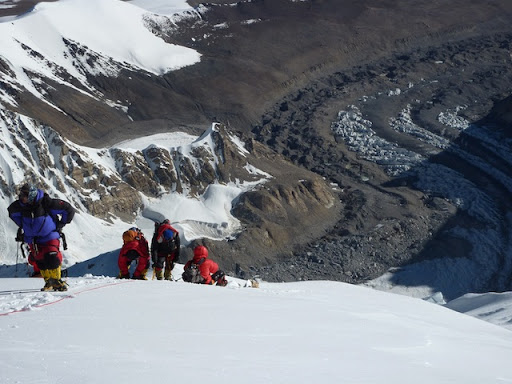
column 67, row 40
column 287, row 333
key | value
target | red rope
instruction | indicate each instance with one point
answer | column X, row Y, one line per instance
column 68, row 296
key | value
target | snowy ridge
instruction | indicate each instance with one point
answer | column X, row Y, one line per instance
column 280, row 333
column 55, row 41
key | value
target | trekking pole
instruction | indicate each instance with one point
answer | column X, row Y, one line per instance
column 64, row 242
column 24, row 256
column 17, row 254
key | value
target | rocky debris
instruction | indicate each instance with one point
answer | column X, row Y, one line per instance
column 292, row 208
column 414, row 121
column 355, row 258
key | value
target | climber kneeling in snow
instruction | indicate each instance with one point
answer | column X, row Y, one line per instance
column 201, row 270
column 135, row 247
column 40, row 220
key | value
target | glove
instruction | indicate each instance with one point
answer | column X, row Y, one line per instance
column 19, row 235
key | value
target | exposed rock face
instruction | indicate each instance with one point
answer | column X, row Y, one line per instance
column 293, row 208
column 285, row 206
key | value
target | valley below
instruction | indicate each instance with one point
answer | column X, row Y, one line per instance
column 387, row 126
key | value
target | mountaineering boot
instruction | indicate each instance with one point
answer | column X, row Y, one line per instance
column 159, row 274
column 48, row 286
column 140, row 275
column 55, row 285
column 168, row 269
column 55, row 279
column 123, row 275
column 59, row 285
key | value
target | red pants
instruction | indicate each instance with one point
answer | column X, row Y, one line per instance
column 124, row 264
column 47, row 255
column 32, row 262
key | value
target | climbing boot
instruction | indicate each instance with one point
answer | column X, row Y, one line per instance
column 167, row 274
column 48, row 285
column 59, row 285
column 139, row 277
column 123, row 275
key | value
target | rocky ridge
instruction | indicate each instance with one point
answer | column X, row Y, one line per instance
column 85, row 178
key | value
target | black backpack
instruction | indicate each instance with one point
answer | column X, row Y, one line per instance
column 166, row 246
column 192, row 274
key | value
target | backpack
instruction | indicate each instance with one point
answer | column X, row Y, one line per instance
column 163, row 245
column 130, row 235
column 192, row 274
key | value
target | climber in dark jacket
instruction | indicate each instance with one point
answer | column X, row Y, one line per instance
column 40, row 220
column 165, row 249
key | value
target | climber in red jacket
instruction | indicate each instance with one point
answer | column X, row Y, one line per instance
column 135, row 248
column 209, row 272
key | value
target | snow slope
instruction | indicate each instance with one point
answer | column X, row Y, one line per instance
column 106, row 330
column 108, row 35
column 162, row 7
column 493, row 307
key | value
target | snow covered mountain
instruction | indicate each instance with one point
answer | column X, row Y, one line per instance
column 65, row 64
column 68, row 96
column 57, row 42
column 157, row 176
column 85, row 46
